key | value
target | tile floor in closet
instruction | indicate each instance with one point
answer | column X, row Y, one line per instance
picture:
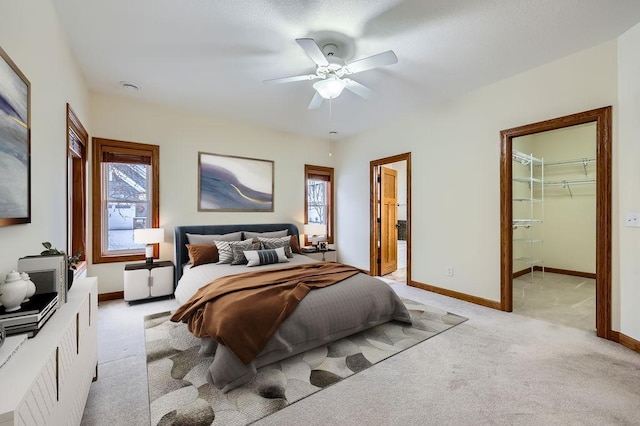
column 556, row 298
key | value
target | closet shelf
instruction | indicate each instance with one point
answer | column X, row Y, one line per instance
column 526, row 233
column 527, row 180
column 530, row 200
column 529, row 260
column 525, row 159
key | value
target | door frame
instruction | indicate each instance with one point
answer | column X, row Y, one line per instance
column 602, row 118
column 374, row 266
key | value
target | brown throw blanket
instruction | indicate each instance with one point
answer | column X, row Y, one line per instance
column 243, row 311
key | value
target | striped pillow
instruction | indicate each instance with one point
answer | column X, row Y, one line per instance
column 274, row 243
column 225, row 249
column 239, row 249
column 265, row 257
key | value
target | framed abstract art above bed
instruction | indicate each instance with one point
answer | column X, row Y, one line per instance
column 234, row 184
column 15, row 132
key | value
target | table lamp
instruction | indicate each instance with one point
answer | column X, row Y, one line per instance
column 315, row 230
column 148, row 236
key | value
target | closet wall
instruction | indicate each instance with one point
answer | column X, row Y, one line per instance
column 569, row 227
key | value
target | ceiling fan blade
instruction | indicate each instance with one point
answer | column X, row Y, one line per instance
column 316, row 101
column 291, row 79
column 313, row 51
column 375, row 61
column 360, row 90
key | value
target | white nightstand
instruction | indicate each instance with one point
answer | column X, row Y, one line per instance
column 330, row 255
column 147, row 280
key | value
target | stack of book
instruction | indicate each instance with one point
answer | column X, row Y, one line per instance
column 31, row 316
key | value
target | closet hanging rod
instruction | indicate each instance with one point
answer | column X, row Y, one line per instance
column 571, row 182
column 582, row 161
column 567, row 184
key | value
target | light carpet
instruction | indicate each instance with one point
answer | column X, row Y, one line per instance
column 179, row 393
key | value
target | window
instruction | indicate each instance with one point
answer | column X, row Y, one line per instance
column 77, row 141
column 318, row 198
column 126, row 197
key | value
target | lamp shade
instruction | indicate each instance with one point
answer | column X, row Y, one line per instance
column 148, row 235
column 315, row 229
column 330, row 87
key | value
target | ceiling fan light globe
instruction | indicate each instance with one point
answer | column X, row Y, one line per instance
column 330, row 88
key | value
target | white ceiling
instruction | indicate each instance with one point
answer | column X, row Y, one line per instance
column 212, row 55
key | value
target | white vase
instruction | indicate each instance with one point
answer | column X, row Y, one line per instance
column 12, row 292
column 31, row 287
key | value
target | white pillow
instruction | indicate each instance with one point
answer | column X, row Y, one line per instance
column 265, row 257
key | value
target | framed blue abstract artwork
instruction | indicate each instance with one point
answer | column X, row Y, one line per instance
column 15, row 135
column 234, row 184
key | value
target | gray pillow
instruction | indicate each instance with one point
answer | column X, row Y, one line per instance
column 238, row 250
column 271, row 234
column 209, row 239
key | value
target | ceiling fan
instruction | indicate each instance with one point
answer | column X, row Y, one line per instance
column 333, row 72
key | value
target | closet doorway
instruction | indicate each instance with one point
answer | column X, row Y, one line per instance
column 516, row 228
column 390, row 218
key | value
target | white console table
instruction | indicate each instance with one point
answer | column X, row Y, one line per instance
column 47, row 381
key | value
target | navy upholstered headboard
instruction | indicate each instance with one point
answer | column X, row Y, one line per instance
column 180, row 240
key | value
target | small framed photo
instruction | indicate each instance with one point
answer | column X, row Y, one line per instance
column 323, row 246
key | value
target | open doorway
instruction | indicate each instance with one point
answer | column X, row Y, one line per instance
column 602, row 119
column 390, row 218
column 554, row 225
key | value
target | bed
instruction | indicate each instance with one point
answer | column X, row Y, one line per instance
column 324, row 315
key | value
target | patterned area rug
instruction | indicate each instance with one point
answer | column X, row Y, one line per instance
column 180, row 394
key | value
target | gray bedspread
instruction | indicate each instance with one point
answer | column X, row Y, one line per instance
column 324, row 315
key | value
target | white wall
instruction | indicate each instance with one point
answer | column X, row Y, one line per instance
column 31, row 35
column 455, row 169
column 626, row 180
column 181, row 135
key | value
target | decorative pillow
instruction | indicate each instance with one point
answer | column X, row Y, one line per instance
column 265, row 257
column 209, row 239
column 273, row 243
column 225, row 249
column 271, row 234
column 200, row 254
column 295, row 244
column 238, row 250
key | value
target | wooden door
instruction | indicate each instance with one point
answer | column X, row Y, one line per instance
column 388, row 221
